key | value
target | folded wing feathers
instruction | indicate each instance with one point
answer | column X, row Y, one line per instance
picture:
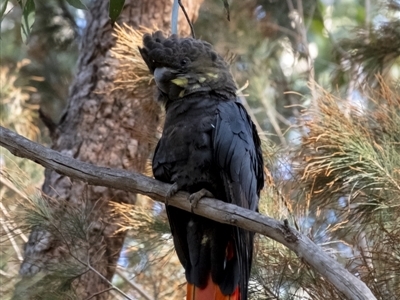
column 234, row 148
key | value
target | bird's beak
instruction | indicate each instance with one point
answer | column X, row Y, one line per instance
column 163, row 77
column 161, row 73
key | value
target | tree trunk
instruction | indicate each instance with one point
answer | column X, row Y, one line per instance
column 104, row 128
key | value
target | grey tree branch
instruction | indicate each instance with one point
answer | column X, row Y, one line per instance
column 335, row 273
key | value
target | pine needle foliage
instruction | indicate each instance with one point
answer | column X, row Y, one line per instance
column 277, row 272
column 24, row 208
column 354, row 152
column 17, row 176
column 345, row 183
column 71, row 225
column 149, row 248
column 350, row 170
column 374, row 49
column 141, row 218
column 132, row 75
column 16, row 111
column 132, row 71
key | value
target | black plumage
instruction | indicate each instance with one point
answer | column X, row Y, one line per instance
column 208, row 142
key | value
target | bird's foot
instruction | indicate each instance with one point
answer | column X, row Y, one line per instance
column 195, row 197
column 171, row 192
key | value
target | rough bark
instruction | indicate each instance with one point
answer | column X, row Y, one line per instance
column 334, row 272
column 106, row 128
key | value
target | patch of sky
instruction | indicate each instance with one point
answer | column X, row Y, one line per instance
column 343, row 201
column 80, row 20
column 260, row 12
column 283, row 169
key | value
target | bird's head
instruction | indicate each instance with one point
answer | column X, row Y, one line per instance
column 183, row 66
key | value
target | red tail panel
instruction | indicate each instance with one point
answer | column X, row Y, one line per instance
column 210, row 292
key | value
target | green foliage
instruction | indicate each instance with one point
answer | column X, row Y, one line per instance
column 28, row 8
column 3, row 8
column 28, row 17
column 77, row 4
column 115, row 9
column 48, row 287
column 226, row 6
column 68, row 225
column 351, row 169
column 373, row 50
column 349, row 151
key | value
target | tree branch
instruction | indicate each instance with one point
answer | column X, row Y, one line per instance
column 214, row 209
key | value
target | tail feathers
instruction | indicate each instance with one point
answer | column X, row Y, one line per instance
column 210, row 292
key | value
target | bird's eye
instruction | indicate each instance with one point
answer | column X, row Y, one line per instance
column 184, row 62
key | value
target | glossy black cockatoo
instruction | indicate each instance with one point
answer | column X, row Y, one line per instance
column 209, row 146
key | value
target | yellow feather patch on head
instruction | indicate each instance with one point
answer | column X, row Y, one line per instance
column 212, row 75
column 195, row 86
column 180, row 81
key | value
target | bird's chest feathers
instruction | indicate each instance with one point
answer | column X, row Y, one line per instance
column 185, row 148
column 188, row 127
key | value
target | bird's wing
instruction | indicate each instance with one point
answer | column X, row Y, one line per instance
column 238, row 154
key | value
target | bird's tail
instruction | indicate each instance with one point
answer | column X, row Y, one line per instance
column 210, row 292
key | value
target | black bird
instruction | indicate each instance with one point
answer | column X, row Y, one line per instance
column 209, row 147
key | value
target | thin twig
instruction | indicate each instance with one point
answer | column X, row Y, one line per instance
column 2, row 273
column 302, row 31
column 88, row 265
column 133, row 285
column 7, row 230
column 187, row 19
column 101, row 292
column 243, row 101
column 12, row 187
column 12, row 225
column 272, row 118
column 105, row 279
